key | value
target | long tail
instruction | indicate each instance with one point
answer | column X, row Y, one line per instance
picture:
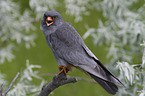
column 103, row 77
column 108, row 86
column 100, row 73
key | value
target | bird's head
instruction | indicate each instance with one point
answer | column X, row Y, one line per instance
column 51, row 20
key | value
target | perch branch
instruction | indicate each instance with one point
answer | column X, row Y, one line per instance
column 59, row 80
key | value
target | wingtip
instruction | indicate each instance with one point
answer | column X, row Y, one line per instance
column 110, row 87
column 119, row 83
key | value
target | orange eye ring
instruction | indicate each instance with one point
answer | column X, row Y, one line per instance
column 49, row 21
column 54, row 17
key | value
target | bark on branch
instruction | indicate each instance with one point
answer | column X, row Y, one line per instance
column 58, row 80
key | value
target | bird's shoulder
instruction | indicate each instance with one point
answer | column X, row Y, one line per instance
column 66, row 32
column 66, row 27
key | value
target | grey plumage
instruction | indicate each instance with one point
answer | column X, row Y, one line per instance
column 69, row 48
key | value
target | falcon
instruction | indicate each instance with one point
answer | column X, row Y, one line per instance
column 70, row 51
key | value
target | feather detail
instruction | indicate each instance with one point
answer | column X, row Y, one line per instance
column 110, row 87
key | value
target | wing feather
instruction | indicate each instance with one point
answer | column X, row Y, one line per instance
column 69, row 46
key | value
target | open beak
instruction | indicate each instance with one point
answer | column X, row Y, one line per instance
column 49, row 21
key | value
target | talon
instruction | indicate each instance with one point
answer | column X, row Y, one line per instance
column 62, row 69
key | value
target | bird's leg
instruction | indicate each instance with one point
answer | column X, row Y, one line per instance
column 62, row 69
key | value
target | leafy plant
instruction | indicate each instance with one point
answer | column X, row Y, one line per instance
column 122, row 31
column 24, row 86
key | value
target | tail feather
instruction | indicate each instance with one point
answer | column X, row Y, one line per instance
column 109, row 75
column 108, row 86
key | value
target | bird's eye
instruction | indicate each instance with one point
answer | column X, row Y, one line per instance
column 54, row 17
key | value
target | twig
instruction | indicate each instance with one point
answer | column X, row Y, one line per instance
column 11, row 84
column 136, row 65
column 84, row 79
column 77, row 78
column 1, row 90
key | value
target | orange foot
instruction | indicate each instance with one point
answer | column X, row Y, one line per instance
column 62, row 69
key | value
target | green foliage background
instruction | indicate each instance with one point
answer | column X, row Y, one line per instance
column 41, row 54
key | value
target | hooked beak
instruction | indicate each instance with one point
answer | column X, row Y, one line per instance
column 49, row 21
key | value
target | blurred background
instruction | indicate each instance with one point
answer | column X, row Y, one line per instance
column 114, row 30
